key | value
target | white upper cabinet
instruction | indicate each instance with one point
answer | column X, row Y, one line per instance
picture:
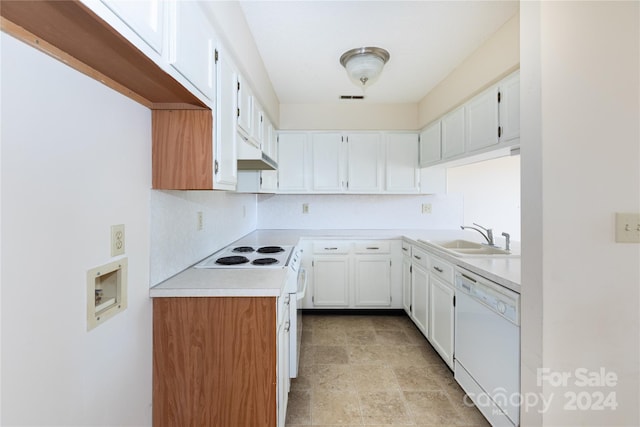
column 482, row 120
column 257, row 123
column 509, row 108
column 225, row 166
column 146, row 18
column 245, row 107
column 327, row 162
column 453, row 137
column 402, row 175
column 192, row 46
column 430, row 144
column 364, row 163
column 292, row 160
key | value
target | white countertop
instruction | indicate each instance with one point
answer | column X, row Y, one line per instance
column 194, row 282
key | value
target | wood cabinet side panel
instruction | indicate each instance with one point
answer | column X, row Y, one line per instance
column 95, row 47
column 214, row 362
column 182, row 152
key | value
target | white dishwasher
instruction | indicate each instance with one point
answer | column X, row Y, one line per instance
column 487, row 346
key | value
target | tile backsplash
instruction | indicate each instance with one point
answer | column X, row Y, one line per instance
column 176, row 242
column 346, row 211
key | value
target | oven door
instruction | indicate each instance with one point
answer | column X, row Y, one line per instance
column 295, row 314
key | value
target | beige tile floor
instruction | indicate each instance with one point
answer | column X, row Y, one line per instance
column 376, row 371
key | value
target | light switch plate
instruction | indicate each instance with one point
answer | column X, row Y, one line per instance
column 117, row 240
column 627, row 227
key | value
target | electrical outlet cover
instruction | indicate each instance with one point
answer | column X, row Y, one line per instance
column 117, row 240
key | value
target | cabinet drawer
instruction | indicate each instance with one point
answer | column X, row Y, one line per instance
column 406, row 248
column 419, row 257
column 330, row 247
column 442, row 269
column 372, row 247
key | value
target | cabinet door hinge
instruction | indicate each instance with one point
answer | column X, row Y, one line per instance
column 499, row 97
column 347, row 185
column 454, row 300
column 390, row 264
column 499, row 131
column 238, row 112
column 260, row 181
column 390, row 299
column 313, row 298
column 215, row 55
column 215, row 167
column 411, row 269
column 410, row 307
column 313, row 264
column 238, row 86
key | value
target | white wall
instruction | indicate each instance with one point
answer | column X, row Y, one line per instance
column 176, row 243
column 75, row 160
column 490, row 192
column 580, row 164
column 361, row 212
column 349, row 115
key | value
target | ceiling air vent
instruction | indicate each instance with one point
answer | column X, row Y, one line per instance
column 351, row 96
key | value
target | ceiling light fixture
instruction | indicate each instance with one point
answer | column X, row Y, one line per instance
column 364, row 64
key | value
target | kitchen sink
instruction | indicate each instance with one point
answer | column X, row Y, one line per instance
column 466, row 248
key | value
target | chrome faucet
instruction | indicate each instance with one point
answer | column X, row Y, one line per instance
column 488, row 236
column 507, row 244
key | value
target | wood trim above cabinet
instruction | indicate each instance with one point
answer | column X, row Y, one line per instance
column 182, row 149
column 73, row 34
column 214, row 362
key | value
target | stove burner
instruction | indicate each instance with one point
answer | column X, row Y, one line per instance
column 270, row 249
column 243, row 249
column 264, row 261
column 232, row 260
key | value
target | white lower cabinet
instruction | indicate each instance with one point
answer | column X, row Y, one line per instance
column 372, row 280
column 441, row 311
column 441, row 307
column 330, row 280
column 429, row 298
column 420, row 292
column 355, row 274
column 406, row 277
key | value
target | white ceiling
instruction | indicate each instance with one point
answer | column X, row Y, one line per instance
column 301, row 43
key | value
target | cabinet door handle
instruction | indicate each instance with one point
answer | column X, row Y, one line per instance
column 373, row 248
column 438, row 269
column 330, row 249
column 417, row 257
column 405, row 249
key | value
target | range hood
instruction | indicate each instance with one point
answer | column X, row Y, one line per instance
column 251, row 158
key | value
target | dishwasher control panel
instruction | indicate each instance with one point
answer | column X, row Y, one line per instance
column 498, row 298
